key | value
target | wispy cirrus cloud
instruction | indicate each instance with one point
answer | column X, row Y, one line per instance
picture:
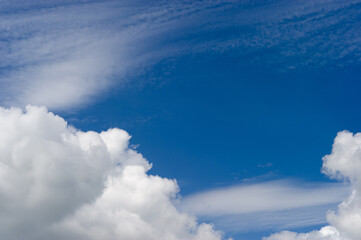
column 264, row 196
column 266, row 205
column 65, row 54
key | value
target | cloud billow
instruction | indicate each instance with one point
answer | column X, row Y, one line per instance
column 344, row 163
column 57, row 182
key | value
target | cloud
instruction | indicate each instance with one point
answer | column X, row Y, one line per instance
column 269, row 196
column 63, row 56
column 271, row 221
column 66, row 54
column 57, row 182
column 344, row 163
column 266, row 205
column 326, row 233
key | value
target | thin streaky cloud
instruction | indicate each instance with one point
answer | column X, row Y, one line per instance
column 272, row 220
column 64, row 56
column 67, row 54
column 273, row 205
column 263, row 197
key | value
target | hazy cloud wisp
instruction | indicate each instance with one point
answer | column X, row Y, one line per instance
column 65, row 54
column 266, row 205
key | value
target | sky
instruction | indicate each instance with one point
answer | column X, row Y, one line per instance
column 174, row 120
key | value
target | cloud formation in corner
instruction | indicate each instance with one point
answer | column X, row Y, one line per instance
column 64, row 54
column 57, row 182
column 344, row 163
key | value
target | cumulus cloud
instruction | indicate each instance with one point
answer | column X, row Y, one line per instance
column 326, row 233
column 344, row 163
column 57, row 182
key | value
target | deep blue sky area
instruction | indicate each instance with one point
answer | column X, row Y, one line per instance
column 230, row 121
column 211, row 121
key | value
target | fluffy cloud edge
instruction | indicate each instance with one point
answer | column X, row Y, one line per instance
column 343, row 163
column 59, row 182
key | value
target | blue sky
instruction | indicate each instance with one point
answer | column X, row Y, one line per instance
column 238, row 96
column 233, row 125
column 212, row 123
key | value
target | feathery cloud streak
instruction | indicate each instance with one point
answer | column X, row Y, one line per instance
column 266, row 205
column 268, row 196
column 65, row 54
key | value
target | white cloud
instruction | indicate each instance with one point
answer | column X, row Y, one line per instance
column 65, row 54
column 61, row 183
column 271, row 221
column 326, row 233
column 343, row 163
column 266, row 205
column 57, row 182
column 265, row 196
